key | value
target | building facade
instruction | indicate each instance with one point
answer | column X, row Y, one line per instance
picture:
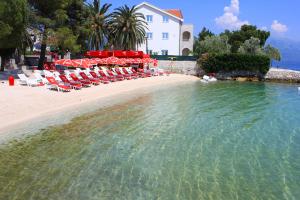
column 166, row 34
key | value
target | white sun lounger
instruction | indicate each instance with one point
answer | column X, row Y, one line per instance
column 24, row 80
column 39, row 77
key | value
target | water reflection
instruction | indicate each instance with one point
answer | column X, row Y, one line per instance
column 219, row 141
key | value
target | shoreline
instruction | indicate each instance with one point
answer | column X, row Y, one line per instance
column 26, row 110
column 283, row 75
column 273, row 75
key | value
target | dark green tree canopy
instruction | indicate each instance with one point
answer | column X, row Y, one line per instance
column 204, row 33
column 13, row 22
column 237, row 38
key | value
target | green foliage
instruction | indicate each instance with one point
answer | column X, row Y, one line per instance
column 78, row 13
column 127, row 28
column 98, row 24
column 205, row 33
column 13, row 20
column 201, row 37
column 272, row 53
column 64, row 41
column 251, row 47
column 214, row 44
column 234, row 62
column 237, row 38
column 13, row 23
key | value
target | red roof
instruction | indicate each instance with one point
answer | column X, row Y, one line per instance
column 175, row 12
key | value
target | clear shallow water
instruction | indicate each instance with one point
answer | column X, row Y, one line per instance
column 221, row 141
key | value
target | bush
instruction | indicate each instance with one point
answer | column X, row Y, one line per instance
column 234, row 62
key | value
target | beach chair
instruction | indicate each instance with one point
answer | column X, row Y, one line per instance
column 24, row 80
column 110, row 78
column 118, row 77
column 141, row 74
column 39, row 77
column 134, row 76
column 53, row 84
column 146, row 74
column 94, row 81
column 85, row 83
column 75, row 85
column 103, row 80
column 126, row 76
column 47, row 73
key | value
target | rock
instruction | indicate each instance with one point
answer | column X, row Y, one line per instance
column 283, row 75
column 241, row 79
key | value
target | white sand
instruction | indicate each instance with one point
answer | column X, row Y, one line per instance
column 22, row 104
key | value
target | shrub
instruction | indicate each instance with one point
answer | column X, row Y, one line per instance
column 234, row 62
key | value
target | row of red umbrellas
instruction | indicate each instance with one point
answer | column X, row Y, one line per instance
column 86, row 62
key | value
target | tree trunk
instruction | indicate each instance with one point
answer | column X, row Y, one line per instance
column 43, row 51
column 2, row 63
column 5, row 55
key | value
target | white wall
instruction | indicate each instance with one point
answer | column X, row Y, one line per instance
column 157, row 27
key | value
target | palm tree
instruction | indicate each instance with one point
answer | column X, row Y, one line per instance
column 127, row 28
column 98, row 24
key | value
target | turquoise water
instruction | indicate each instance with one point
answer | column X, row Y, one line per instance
column 219, row 141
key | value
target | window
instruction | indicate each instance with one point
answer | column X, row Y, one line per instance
column 149, row 36
column 165, row 36
column 165, row 19
column 149, row 18
column 164, row 52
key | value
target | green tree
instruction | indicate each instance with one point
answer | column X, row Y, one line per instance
column 13, row 23
column 237, row 38
column 127, row 28
column 48, row 15
column 98, row 24
column 64, row 41
column 201, row 37
column 204, row 33
column 251, row 47
column 214, row 45
column 78, row 12
column 272, row 52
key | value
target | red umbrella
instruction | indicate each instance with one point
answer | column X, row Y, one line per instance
column 148, row 60
column 82, row 63
column 97, row 60
column 103, row 61
column 123, row 61
column 129, row 60
column 92, row 62
column 137, row 61
column 113, row 61
column 65, row 62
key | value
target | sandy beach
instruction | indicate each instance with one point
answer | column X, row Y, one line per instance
column 26, row 105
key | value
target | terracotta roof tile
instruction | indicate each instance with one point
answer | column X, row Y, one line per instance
column 175, row 12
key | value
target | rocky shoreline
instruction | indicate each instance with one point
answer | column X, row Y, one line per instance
column 273, row 75
column 283, row 75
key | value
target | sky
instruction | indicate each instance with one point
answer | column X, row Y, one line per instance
column 281, row 17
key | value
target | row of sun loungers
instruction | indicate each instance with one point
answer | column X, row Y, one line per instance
column 82, row 78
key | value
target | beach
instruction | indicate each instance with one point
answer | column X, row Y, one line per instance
column 23, row 106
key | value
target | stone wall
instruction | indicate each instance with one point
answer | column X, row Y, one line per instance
column 182, row 67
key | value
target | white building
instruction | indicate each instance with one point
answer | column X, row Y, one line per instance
column 166, row 34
